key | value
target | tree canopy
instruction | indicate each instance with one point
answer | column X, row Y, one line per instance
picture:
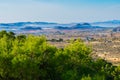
column 32, row 58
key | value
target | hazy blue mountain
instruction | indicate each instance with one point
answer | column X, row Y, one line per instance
column 21, row 26
column 79, row 26
column 112, row 23
column 25, row 23
column 26, row 26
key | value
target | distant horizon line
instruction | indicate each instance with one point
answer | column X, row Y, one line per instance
column 55, row 22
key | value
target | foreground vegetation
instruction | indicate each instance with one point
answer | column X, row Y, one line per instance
column 32, row 58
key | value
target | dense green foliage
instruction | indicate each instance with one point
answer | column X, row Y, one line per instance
column 32, row 58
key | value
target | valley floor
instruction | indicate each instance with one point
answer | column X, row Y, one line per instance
column 105, row 45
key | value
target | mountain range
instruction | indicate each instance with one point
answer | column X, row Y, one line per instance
column 112, row 23
column 79, row 26
column 27, row 26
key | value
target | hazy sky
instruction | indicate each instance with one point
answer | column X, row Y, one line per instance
column 62, row 11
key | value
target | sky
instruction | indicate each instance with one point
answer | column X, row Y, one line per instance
column 61, row 11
